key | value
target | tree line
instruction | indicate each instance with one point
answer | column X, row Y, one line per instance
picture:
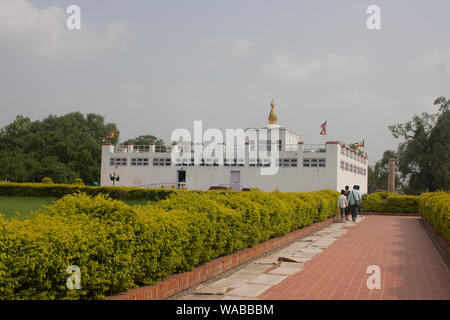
column 62, row 148
column 422, row 156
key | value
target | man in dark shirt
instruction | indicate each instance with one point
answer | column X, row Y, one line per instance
column 347, row 210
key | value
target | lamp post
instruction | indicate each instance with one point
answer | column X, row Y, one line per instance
column 114, row 177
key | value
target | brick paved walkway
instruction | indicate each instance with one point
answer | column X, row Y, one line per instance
column 411, row 267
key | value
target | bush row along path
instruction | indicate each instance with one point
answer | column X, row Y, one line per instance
column 332, row 264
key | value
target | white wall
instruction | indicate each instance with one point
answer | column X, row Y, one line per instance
column 203, row 177
column 345, row 177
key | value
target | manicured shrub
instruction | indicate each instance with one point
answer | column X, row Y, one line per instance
column 78, row 181
column 402, row 203
column 118, row 247
column 387, row 202
column 434, row 207
column 47, row 180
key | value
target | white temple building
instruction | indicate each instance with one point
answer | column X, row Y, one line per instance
column 299, row 167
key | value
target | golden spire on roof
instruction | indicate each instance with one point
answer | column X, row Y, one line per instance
column 272, row 116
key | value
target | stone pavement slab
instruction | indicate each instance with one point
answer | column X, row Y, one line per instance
column 325, row 242
column 220, row 287
column 248, row 290
column 268, row 260
column 252, row 269
column 311, row 238
column 287, row 268
column 269, row 279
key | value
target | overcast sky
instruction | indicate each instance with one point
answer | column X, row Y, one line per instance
column 154, row 66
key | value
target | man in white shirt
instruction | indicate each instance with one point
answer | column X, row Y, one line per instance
column 342, row 204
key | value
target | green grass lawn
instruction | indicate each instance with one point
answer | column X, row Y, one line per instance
column 21, row 207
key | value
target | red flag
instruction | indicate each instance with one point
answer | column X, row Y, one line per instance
column 324, row 128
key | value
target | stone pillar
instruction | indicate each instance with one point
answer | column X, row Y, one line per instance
column 391, row 177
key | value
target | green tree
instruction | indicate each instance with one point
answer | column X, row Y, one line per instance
column 12, row 166
column 60, row 147
column 440, row 140
column 424, row 153
column 145, row 140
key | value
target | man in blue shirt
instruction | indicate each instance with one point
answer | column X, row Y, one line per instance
column 354, row 199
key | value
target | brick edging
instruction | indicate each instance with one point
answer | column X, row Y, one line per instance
column 401, row 214
column 439, row 241
column 179, row 282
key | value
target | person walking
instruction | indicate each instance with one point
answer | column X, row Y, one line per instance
column 347, row 209
column 353, row 199
column 342, row 204
column 360, row 202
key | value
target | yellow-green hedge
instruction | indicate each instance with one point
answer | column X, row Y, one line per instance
column 118, row 247
column 387, row 202
column 60, row 190
column 435, row 208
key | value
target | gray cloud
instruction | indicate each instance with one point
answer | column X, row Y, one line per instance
column 288, row 68
column 155, row 66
